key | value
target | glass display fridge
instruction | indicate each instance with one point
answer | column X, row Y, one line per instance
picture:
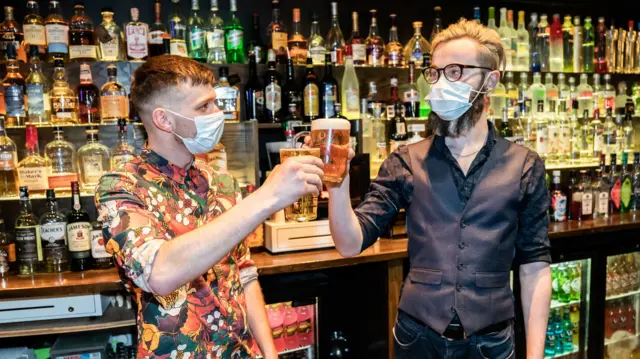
column 621, row 305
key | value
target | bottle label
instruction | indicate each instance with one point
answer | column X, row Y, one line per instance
column 34, row 177
column 110, row 50
column 35, row 99
column 329, row 100
column 61, row 180
column 273, row 96
column 359, row 52
column 98, row 249
column 93, row 168
column 411, row 96
column 64, row 106
column 311, row 100
column 376, row 55
column 603, row 202
column 566, row 287
column 615, row 193
column 227, row 101
column 197, row 40
column 57, row 34
column 559, row 207
column 156, row 37
column 554, row 285
column 279, row 42
column 401, row 129
column 317, row 54
column 416, row 54
column 118, row 160
column 217, row 158
column 79, row 236
column 587, row 203
column 554, row 139
column 215, row 39
column 543, row 140
column 178, row 48
column 598, row 140
column 54, row 239
column 258, row 101
column 391, row 112
column 82, row 51
column 14, row 100
column 394, row 58
column 137, row 47
column 8, row 160
column 114, row 106
column 625, row 193
column 564, row 144
column 28, row 243
column 34, row 34
column 352, row 104
column 7, row 256
column 235, row 39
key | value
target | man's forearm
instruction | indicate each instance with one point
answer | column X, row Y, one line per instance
column 343, row 223
column 188, row 256
column 535, row 279
column 258, row 321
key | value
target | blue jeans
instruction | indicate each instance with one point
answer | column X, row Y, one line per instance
column 414, row 341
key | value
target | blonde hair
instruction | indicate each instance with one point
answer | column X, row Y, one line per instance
column 491, row 51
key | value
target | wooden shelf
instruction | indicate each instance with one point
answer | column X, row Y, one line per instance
column 112, row 318
column 66, row 283
column 34, row 197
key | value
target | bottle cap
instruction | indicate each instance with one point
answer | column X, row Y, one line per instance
column 112, row 70
column 34, row 51
column 51, row 194
column 223, row 72
column 107, row 9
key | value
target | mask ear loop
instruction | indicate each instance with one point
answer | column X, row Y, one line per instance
column 478, row 92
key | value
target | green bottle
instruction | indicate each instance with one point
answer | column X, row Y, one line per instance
column 424, row 88
column 567, row 341
column 197, row 35
column 626, row 191
column 574, row 277
column 554, row 281
column 234, row 37
column 564, row 284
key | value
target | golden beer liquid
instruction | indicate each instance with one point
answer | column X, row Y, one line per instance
column 332, row 137
column 304, row 209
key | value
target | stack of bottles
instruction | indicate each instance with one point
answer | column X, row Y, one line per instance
column 562, row 338
column 566, row 282
column 292, row 327
column 622, row 275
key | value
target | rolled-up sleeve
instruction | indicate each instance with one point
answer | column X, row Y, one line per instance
column 388, row 193
column 532, row 243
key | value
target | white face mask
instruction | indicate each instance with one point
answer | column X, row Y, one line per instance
column 450, row 100
column 209, row 130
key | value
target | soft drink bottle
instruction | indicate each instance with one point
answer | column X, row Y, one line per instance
column 554, row 282
column 574, row 276
column 558, row 331
column 276, row 321
column 623, row 323
column 631, row 317
column 568, row 330
column 550, row 341
column 290, row 327
column 564, row 284
column 305, row 325
column 575, row 322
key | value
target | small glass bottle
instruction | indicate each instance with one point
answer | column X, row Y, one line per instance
column 316, row 42
column 410, row 94
column 27, row 229
column 601, row 195
column 393, row 49
column 101, row 258
column 93, row 160
column 234, row 37
column 615, row 185
column 335, row 40
column 177, row 30
column 375, row 44
column 34, row 31
column 57, row 29
column 588, row 46
column 124, row 151
column 114, row 103
column 227, row 96
column 61, row 154
column 64, row 108
column 8, row 260
column 33, row 170
column 157, row 31
column 14, row 91
column 88, row 97
column 53, row 236
column 417, row 46
column 196, row 33
column 111, row 48
column 215, row 36
column 137, row 35
column 79, row 233
column 522, row 44
column 8, row 164
column 37, row 90
column 397, row 128
column 355, row 45
column 82, row 46
column 567, row 44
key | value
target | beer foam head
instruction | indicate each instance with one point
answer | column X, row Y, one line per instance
column 330, row 124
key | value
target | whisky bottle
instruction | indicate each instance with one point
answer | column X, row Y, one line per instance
column 37, row 90
column 375, row 44
column 79, row 233
column 197, row 35
column 157, row 32
column 124, row 151
column 14, row 91
column 93, row 160
column 57, row 29
column 28, row 243
column 227, row 96
column 8, row 260
column 53, row 236
column 137, row 33
column 111, row 38
column 33, row 170
column 114, row 103
column 297, row 43
column 311, row 93
column 64, row 104
column 256, row 46
column 272, row 89
column 33, row 26
column 8, row 161
column 215, row 36
column 178, row 30
column 398, row 128
column 277, row 37
column 82, row 46
column 61, row 154
column 88, row 97
column 11, row 35
column 101, row 258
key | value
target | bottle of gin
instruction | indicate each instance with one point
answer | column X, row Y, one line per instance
column 57, row 29
column 88, row 97
column 82, row 45
column 124, row 151
column 27, row 231
column 33, row 170
column 234, row 37
column 53, row 236
column 215, row 36
column 61, row 154
column 64, row 109
column 111, row 38
column 227, row 96
column 177, row 30
column 93, row 160
column 114, row 103
column 197, row 35
column 79, row 233
column 137, row 34
column 8, row 164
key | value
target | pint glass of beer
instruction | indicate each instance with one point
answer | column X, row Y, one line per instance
column 304, row 209
column 331, row 136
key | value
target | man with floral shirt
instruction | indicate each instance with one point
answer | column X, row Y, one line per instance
column 176, row 226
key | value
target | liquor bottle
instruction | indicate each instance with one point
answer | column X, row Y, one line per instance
column 411, row 95
column 11, row 35
column 497, row 101
column 564, row 92
column 626, row 189
column 397, row 128
column 629, row 51
column 537, row 92
column 137, row 33
column 514, row 39
column 551, row 91
column 424, row 87
column 563, row 144
column 598, row 93
column 587, row 195
column 93, row 160
column 556, row 61
column 417, row 45
column 57, row 29
column 368, row 143
column 611, row 46
column 256, row 46
column 609, row 135
column 124, row 151
column 311, row 93
column 33, row 170
column 505, row 128
column 542, row 130
column 600, row 47
column 316, row 42
column 8, row 264
column 627, row 130
column 272, row 89
column 27, row 231
column 587, row 46
column 374, row 44
column 297, row 43
column 601, row 195
column 277, row 34
column 82, row 45
column 534, row 59
column 523, row 86
column 88, row 97
column 61, row 154
column 8, row 164
column 578, row 53
column 215, row 37
column 522, row 45
column 196, row 34
column 393, row 49
column 636, row 182
column 491, row 21
column 621, row 97
column 53, row 236
column 379, row 137
column 615, row 185
column 528, row 122
column 393, row 97
column 234, row 37
column 350, row 95
column 14, row 91
column 375, row 104
column 558, row 200
column 335, row 41
column 328, row 90
column 64, row 109
column 114, row 104
column 355, row 45
column 228, row 97
column 101, row 258
column 505, row 36
column 476, row 14
column 598, row 133
column 79, row 233
column 543, row 43
column 110, row 38
column 437, row 23
column 585, row 95
column 157, row 32
column 254, row 92
column 567, row 44
column 177, row 30
column 33, row 26
column 553, row 154
column 292, row 119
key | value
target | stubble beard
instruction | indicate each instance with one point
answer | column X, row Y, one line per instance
column 462, row 125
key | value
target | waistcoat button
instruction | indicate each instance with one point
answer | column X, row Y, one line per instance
column 462, row 224
column 459, row 288
column 460, row 266
column 462, row 245
column 453, row 309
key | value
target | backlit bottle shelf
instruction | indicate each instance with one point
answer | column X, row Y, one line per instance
column 623, row 295
column 66, row 125
column 557, row 304
column 564, row 355
column 32, row 197
column 570, row 166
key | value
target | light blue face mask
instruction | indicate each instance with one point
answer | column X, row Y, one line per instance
column 209, row 130
column 450, row 100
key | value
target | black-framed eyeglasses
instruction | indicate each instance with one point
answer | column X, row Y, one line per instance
column 452, row 72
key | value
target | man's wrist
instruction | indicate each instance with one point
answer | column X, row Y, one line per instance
column 267, row 202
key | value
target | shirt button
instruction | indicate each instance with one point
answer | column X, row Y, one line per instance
column 459, row 288
column 453, row 309
column 462, row 245
column 463, row 224
column 460, row 266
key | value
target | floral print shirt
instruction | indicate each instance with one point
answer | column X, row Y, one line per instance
column 149, row 201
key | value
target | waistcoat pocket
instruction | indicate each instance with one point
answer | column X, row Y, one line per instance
column 425, row 275
column 492, row 279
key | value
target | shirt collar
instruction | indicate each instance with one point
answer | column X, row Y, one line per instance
column 166, row 168
column 439, row 144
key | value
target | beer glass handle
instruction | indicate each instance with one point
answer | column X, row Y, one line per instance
column 297, row 137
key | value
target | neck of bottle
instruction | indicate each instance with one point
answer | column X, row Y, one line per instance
column 394, row 92
column 253, row 67
column 275, row 14
column 32, row 8
column 290, row 70
column 355, row 29
column 373, row 29
column 296, row 27
column 54, row 9
column 52, row 205
column 92, row 137
column 412, row 73
column 417, row 31
column 156, row 13
column 315, row 28
column 86, row 78
column 32, row 148
column 3, row 132
column 25, row 205
column 122, row 134
column 393, row 34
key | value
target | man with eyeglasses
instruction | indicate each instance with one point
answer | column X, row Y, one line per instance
column 476, row 205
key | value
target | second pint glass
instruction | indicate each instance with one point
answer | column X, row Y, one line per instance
column 304, row 209
column 331, row 136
